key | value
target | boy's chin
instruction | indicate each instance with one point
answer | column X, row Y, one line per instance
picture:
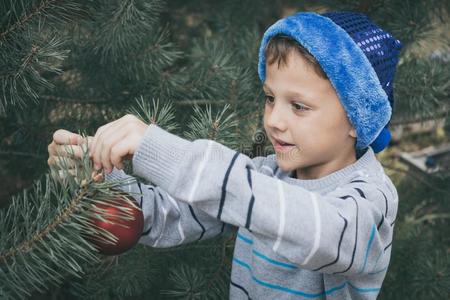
column 286, row 166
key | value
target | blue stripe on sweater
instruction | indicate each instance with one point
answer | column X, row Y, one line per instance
column 363, row 290
column 275, row 262
column 262, row 256
column 285, row 289
column 372, row 235
column 289, row 266
column 245, row 239
column 301, row 293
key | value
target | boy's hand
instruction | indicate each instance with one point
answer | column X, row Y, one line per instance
column 115, row 141
column 66, row 144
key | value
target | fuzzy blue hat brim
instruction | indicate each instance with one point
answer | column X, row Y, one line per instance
column 350, row 72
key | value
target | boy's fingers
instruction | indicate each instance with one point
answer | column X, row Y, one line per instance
column 61, row 174
column 60, row 162
column 99, row 132
column 118, row 153
column 62, row 136
column 51, row 148
column 114, row 136
column 86, row 142
column 68, row 150
column 57, row 149
column 97, row 177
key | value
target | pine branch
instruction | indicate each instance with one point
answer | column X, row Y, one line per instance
column 124, row 276
column 56, row 215
column 153, row 115
column 416, row 177
column 122, row 26
column 159, row 53
column 70, row 100
column 409, row 21
column 365, row 6
column 219, row 128
column 198, row 102
column 23, row 77
column 422, row 89
column 189, row 103
column 27, row 17
column 430, row 217
column 214, row 66
column 213, row 277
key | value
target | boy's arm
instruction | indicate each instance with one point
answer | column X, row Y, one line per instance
column 168, row 222
column 347, row 232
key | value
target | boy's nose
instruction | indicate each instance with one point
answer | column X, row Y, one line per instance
column 276, row 118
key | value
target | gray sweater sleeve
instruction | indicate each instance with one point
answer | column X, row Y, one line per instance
column 168, row 222
column 342, row 232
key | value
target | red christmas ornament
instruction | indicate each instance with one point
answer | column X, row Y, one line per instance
column 127, row 231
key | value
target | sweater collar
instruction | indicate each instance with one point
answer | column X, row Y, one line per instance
column 365, row 162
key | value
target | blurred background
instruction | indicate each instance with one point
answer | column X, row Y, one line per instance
column 191, row 67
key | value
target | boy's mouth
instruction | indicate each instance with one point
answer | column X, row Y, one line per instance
column 281, row 143
column 281, row 146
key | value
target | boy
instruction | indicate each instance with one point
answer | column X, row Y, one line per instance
column 315, row 220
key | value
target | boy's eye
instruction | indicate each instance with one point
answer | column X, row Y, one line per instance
column 269, row 99
column 299, row 107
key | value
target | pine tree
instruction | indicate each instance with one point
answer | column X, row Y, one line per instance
column 190, row 67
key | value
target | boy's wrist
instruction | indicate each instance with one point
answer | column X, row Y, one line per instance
column 158, row 156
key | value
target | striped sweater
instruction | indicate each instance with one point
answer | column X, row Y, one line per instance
column 326, row 238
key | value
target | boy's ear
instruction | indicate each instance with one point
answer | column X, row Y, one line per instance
column 352, row 132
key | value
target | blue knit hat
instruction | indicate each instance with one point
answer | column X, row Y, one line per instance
column 360, row 60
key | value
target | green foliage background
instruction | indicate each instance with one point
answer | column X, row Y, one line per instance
column 191, row 66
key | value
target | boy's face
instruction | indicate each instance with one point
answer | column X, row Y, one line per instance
column 303, row 109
